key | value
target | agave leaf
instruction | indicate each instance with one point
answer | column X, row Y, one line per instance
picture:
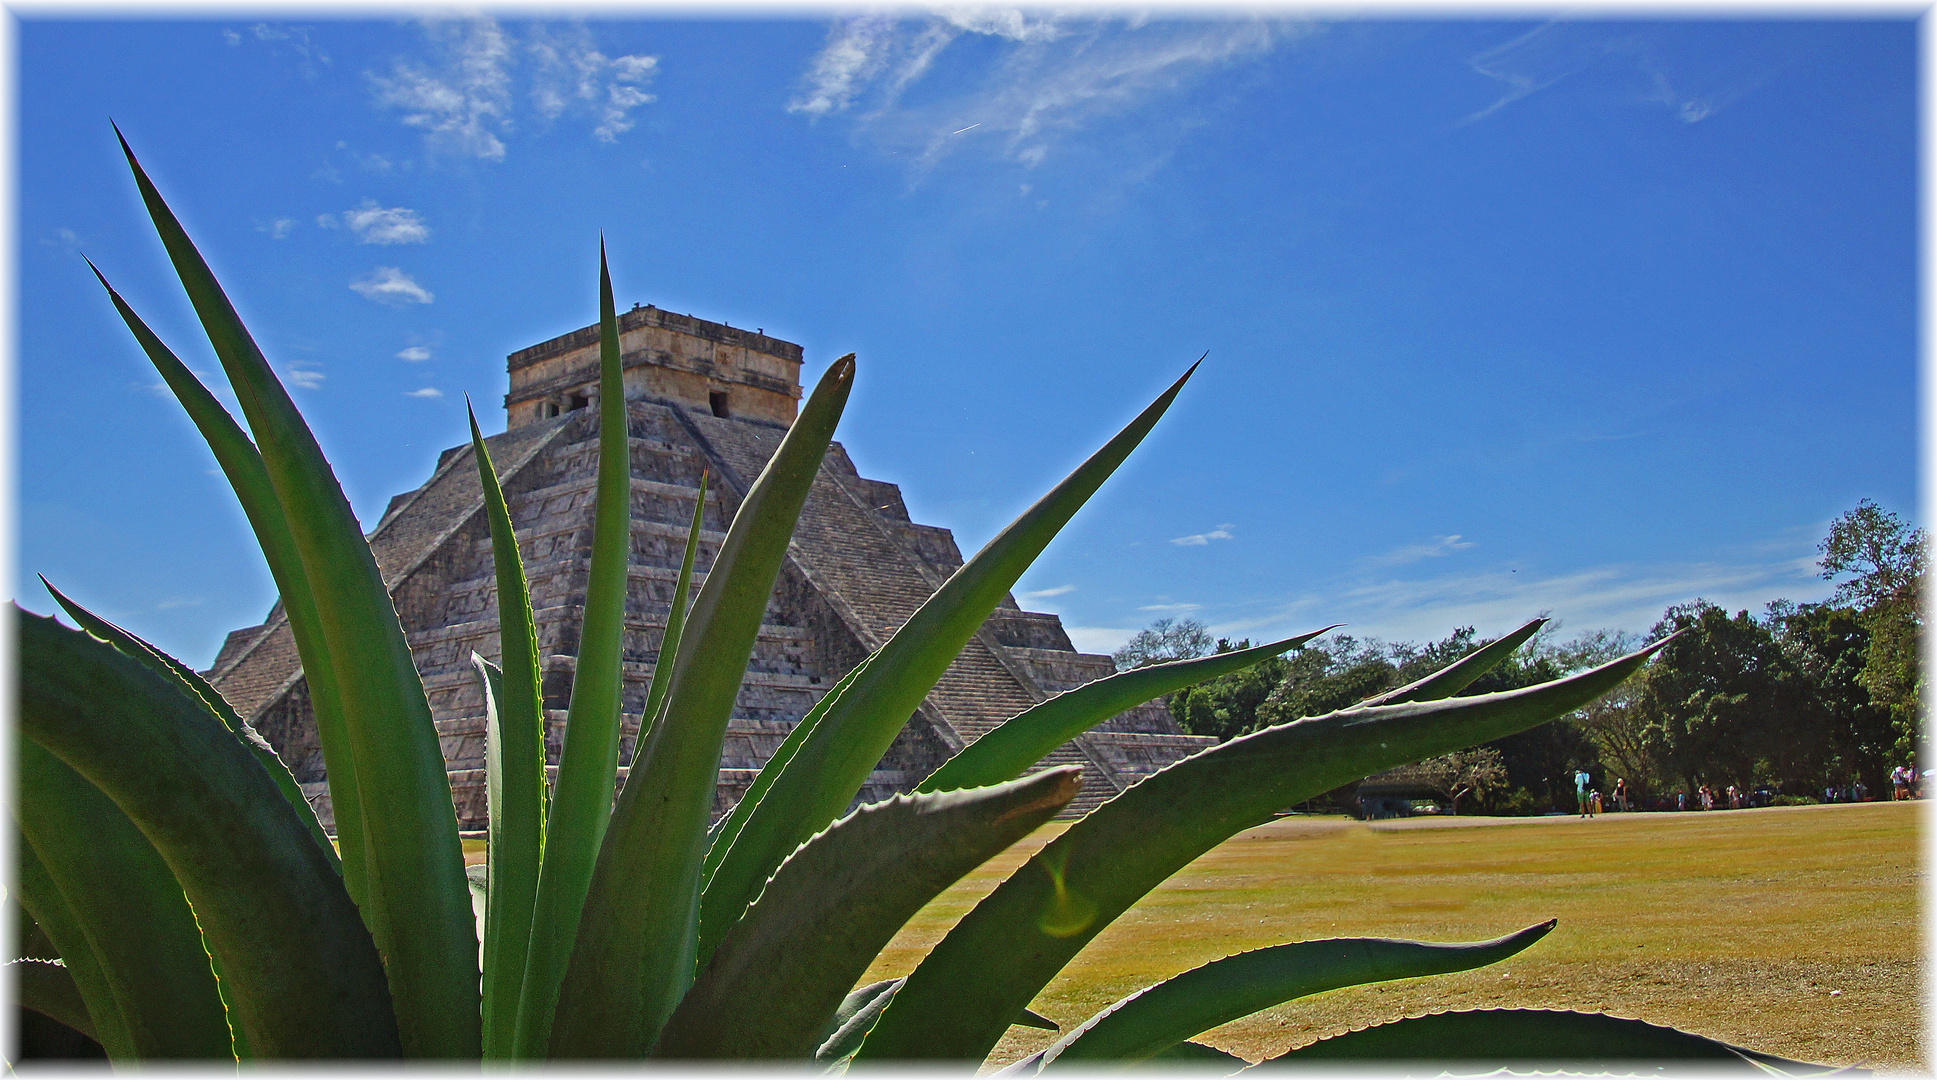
column 418, row 905
column 835, row 758
column 851, row 1021
column 675, row 622
column 128, row 904
column 957, row 1003
column 243, row 467
column 1460, row 674
column 1525, row 1039
column 1023, row 739
column 712, row 926
column 834, row 904
column 1200, row 1055
column 47, row 987
column 1156, row 1018
column 42, row 900
column 636, row 949
column 505, row 928
column 194, row 685
column 514, row 740
column 588, row 766
column 1034, row 1019
column 303, row 974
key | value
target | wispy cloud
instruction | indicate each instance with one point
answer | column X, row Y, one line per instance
column 464, row 97
column 1044, row 594
column 426, row 392
column 1412, row 553
column 570, row 73
column 1615, row 596
column 416, row 354
column 460, row 99
column 305, row 378
column 1172, row 607
column 389, row 285
column 1622, row 59
column 1046, row 76
column 373, row 224
column 278, row 229
column 1222, row 532
column 294, row 40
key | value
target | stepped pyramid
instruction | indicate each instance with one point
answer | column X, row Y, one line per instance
column 700, row 396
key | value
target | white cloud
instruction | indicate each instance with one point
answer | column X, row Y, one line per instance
column 1050, row 75
column 1180, row 608
column 1622, row 59
column 1044, row 594
column 1222, row 532
column 416, row 354
column 464, row 97
column 1098, row 639
column 570, row 73
column 389, row 285
column 304, row 378
column 326, row 221
column 1615, row 597
column 231, row 37
column 374, row 225
column 426, row 392
column 1412, row 553
column 278, row 229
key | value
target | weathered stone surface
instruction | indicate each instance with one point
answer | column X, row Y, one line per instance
column 858, row 568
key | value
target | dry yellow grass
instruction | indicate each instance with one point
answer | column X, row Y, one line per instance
column 1739, row 925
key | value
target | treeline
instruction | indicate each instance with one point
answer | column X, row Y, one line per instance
column 1799, row 698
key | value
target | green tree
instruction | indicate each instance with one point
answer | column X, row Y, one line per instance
column 1880, row 560
column 1163, row 641
column 1227, row 706
column 1728, row 705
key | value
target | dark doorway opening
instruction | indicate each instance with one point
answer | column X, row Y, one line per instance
column 717, row 399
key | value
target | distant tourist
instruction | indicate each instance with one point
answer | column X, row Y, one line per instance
column 1735, row 798
column 1681, row 801
column 1900, row 778
column 1581, row 780
column 1621, row 795
column 1708, row 798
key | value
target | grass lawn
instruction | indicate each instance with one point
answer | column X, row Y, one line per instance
column 1790, row 930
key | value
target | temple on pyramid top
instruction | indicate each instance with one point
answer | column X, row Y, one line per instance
column 701, row 398
column 701, row 365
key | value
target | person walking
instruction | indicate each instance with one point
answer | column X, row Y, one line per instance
column 1621, row 794
column 1581, row 780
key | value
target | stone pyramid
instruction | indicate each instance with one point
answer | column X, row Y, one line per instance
column 700, row 397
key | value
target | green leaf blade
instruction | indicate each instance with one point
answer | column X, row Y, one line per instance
column 130, row 907
column 834, row 760
column 1159, row 1017
column 834, row 904
column 588, row 766
column 49, row 989
column 42, row 899
column 305, row 977
column 1525, row 1039
column 637, row 945
column 957, row 1003
column 193, row 684
column 242, row 465
column 662, row 669
column 1021, row 741
column 514, row 771
column 418, row 904
column 1460, row 674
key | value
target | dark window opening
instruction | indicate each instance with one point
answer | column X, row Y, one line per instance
column 576, row 402
column 717, row 399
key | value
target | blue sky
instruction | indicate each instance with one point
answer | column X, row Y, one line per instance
column 1503, row 317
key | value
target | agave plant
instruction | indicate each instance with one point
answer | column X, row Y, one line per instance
column 185, row 903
